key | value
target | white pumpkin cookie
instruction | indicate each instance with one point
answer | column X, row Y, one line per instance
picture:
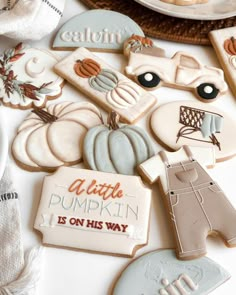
column 50, row 138
column 26, row 77
column 116, row 149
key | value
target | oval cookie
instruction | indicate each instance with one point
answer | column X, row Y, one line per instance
column 196, row 124
column 53, row 137
column 159, row 272
column 27, row 78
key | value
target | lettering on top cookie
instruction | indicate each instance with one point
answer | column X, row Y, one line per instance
column 94, row 211
column 151, row 69
column 26, row 77
column 52, row 137
column 160, row 273
column 106, row 86
column 96, row 29
column 224, row 44
column 195, row 124
column 116, row 148
column 196, row 205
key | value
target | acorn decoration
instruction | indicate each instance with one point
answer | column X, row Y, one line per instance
column 120, row 94
column 116, row 148
column 230, row 48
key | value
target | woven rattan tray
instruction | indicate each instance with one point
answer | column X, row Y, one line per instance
column 162, row 26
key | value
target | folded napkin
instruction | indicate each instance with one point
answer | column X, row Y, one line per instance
column 29, row 19
column 18, row 276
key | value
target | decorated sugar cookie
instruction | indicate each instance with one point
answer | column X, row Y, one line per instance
column 195, row 124
column 149, row 67
column 3, row 143
column 116, row 148
column 94, row 211
column 107, row 34
column 160, row 273
column 106, row 86
column 26, row 77
column 185, row 2
column 224, row 43
column 51, row 137
column 196, row 205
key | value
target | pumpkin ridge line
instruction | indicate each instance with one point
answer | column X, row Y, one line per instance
column 27, row 127
column 93, row 66
column 72, row 120
column 95, row 85
column 26, row 143
column 111, row 75
column 65, row 105
column 131, row 90
column 147, row 141
column 80, row 109
column 123, row 103
column 102, row 84
column 135, row 87
column 47, row 131
column 119, row 91
column 109, row 148
column 112, row 101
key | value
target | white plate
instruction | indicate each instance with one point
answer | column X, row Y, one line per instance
column 214, row 9
column 3, row 143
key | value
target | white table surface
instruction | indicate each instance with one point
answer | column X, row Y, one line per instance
column 66, row 272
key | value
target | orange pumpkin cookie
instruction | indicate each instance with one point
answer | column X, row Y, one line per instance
column 53, row 137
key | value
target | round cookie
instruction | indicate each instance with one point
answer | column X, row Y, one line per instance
column 159, row 272
column 27, row 78
column 195, row 124
column 53, row 137
column 116, row 149
column 3, row 143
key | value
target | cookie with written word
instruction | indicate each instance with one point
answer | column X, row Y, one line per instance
column 116, row 148
column 51, row 137
column 159, row 272
column 94, row 211
column 195, row 124
column 97, row 30
column 26, row 77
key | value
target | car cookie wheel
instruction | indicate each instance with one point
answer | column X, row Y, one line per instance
column 207, row 91
column 149, row 79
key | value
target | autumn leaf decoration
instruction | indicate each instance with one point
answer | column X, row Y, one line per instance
column 10, row 81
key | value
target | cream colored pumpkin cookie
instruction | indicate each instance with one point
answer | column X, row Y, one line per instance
column 185, row 2
column 52, row 137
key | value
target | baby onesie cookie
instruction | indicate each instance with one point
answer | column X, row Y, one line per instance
column 52, row 137
column 97, row 30
column 116, row 148
column 195, row 124
column 26, row 77
column 106, row 86
column 196, row 205
column 94, row 211
column 224, row 44
column 185, row 2
column 159, row 272
column 151, row 69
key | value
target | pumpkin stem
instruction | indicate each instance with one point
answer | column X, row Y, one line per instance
column 112, row 120
column 45, row 116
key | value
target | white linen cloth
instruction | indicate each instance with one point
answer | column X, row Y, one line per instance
column 29, row 19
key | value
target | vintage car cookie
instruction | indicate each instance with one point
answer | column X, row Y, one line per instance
column 94, row 211
column 26, row 77
column 195, row 124
column 195, row 204
column 159, row 272
column 107, row 87
column 51, row 137
column 116, row 148
column 151, row 69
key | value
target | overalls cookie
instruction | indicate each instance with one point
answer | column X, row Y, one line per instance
column 197, row 207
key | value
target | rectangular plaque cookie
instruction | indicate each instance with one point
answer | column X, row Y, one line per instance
column 224, row 43
column 106, row 86
column 94, row 211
